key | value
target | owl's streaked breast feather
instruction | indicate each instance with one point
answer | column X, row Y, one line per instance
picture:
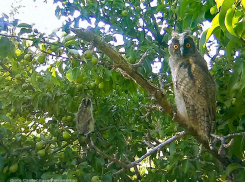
column 194, row 87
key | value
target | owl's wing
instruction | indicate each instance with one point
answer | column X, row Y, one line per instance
column 197, row 87
column 83, row 120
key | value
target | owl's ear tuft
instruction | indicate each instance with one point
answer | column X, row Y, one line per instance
column 187, row 32
column 174, row 34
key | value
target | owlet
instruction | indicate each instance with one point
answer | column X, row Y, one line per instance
column 194, row 87
column 85, row 120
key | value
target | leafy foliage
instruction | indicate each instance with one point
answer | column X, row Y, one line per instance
column 44, row 77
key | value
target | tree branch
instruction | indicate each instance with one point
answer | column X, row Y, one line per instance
column 106, row 155
column 223, row 138
column 170, row 140
column 158, row 94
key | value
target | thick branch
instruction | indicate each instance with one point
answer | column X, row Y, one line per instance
column 120, row 62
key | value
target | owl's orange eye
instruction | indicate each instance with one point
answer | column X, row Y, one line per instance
column 188, row 45
column 176, row 46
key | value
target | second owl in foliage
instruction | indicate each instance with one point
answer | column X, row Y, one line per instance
column 85, row 121
column 194, row 87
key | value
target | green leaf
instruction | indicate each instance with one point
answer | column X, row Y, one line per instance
column 228, row 20
column 161, row 7
column 219, row 3
column 202, row 42
column 48, row 175
column 72, row 74
column 24, row 30
column 231, row 167
column 74, row 51
column 237, row 147
column 183, row 8
column 71, row 42
column 230, row 47
column 215, row 24
column 5, row 118
column 1, row 162
column 34, row 80
column 186, row 166
column 225, row 6
column 24, row 25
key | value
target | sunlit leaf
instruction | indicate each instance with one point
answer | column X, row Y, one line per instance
column 228, row 20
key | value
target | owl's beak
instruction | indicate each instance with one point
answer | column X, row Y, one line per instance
column 182, row 51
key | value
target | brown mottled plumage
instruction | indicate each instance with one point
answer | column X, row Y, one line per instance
column 85, row 120
column 194, row 87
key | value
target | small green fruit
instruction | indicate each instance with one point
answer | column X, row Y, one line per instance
column 95, row 179
column 124, row 13
column 63, row 119
column 79, row 79
column 79, row 87
column 92, row 85
column 13, row 168
column 5, row 169
column 88, row 54
column 101, row 85
column 27, row 57
column 18, row 76
column 97, row 81
column 131, row 60
column 94, row 60
column 41, row 153
column 168, row 167
column 66, row 135
column 25, row 86
column 41, row 59
column 39, row 145
column 69, row 118
column 153, row 170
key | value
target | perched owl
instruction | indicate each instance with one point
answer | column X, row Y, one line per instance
column 85, row 120
column 194, row 87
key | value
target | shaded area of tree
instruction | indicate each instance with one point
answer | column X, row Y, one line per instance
column 44, row 77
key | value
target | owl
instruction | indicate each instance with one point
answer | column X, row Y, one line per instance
column 194, row 87
column 85, row 121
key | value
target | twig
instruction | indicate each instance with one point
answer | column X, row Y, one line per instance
column 138, row 64
column 107, row 156
column 148, row 144
column 135, row 168
column 223, row 138
column 30, row 39
column 60, row 148
column 152, row 138
column 178, row 135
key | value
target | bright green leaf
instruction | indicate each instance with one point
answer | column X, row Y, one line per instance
column 228, row 20
column 225, row 6
column 215, row 24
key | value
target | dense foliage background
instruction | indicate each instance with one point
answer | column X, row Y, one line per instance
column 44, row 77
